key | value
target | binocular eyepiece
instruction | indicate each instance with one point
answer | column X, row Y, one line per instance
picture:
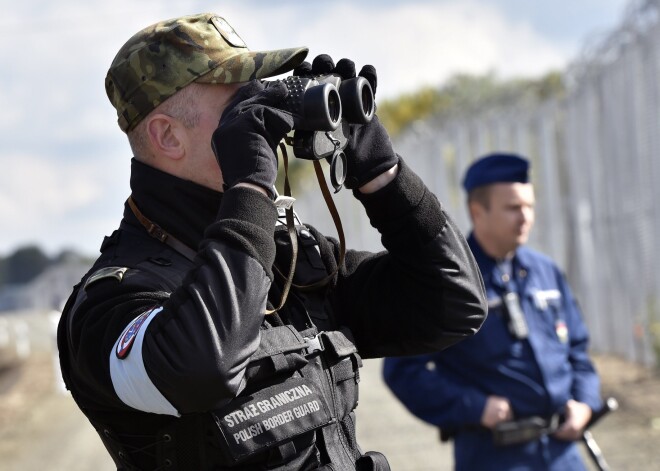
column 320, row 103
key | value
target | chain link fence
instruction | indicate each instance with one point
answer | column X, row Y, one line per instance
column 595, row 156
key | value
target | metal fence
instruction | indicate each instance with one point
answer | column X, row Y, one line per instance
column 595, row 157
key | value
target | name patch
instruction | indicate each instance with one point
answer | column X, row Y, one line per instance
column 270, row 416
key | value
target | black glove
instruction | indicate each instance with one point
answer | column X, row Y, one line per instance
column 251, row 127
column 369, row 150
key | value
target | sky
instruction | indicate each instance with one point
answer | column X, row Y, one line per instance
column 65, row 163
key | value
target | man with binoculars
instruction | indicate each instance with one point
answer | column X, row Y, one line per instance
column 186, row 345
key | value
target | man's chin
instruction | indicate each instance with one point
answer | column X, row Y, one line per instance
column 522, row 239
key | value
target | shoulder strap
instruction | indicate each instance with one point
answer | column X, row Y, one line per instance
column 155, row 231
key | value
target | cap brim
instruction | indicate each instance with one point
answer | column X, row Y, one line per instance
column 252, row 65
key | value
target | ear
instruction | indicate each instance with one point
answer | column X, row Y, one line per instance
column 476, row 210
column 166, row 136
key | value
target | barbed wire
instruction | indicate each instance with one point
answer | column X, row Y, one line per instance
column 601, row 49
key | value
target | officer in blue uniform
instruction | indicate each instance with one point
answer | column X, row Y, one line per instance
column 528, row 364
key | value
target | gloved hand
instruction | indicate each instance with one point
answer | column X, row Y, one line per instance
column 369, row 150
column 245, row 142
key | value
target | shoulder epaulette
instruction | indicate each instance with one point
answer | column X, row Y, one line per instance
column 105, row 273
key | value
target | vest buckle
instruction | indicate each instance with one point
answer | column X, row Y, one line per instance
column 313, row 344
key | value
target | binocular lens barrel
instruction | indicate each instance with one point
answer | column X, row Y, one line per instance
column 357, row 99
column 321, row 108
column 318, row 104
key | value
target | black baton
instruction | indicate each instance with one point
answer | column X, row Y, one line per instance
column 596, row 454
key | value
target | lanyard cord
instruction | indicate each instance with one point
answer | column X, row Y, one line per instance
column 335, row 218
column 293, row 236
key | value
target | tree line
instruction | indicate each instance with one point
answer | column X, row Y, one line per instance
column 465, row 93
column 28, row 262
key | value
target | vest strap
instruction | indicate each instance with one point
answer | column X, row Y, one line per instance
column 157, row 232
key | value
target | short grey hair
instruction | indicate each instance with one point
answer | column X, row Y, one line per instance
column 182, row 106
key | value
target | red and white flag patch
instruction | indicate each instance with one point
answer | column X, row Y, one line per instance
column 128, row 337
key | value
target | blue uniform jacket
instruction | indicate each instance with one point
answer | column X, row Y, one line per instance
column 538, row 375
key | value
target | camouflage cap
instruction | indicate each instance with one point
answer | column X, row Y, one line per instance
column 165, row 57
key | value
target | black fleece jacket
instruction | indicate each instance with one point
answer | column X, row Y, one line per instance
column 422, row 294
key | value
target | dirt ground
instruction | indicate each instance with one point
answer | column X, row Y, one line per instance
column 41, row 429
column 630, row 437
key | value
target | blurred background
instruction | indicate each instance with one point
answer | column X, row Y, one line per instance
column 574, row 85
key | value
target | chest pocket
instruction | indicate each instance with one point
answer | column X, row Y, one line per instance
column 281, row 353
column 280, row 407
column 546, row 299
column 550, row 318
column 284, row 352
column 295, row 385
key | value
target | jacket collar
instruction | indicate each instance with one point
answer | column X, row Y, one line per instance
column 180, row 207
column 487, row 264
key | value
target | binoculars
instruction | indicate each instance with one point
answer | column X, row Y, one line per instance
column 322, row 107
column 319, row 104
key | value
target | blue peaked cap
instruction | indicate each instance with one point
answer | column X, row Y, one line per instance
column 496, row 168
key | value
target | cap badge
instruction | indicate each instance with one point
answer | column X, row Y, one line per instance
column 227, row 32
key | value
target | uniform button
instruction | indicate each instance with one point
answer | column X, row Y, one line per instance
column 505, row 278
column 522, row 273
